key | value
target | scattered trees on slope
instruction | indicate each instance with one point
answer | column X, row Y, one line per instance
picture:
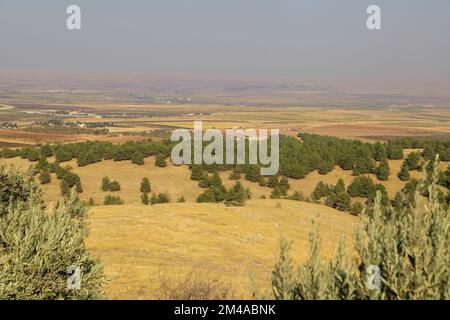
column 413, row 265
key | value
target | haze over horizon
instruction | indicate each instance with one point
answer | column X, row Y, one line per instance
column 226, row 42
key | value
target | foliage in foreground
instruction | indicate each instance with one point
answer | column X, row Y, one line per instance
column 409, row 244
column 37, row 246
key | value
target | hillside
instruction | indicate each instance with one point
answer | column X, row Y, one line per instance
column 176, row 180
column 135, row 242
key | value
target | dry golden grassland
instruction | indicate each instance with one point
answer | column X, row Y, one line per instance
column 135, row 242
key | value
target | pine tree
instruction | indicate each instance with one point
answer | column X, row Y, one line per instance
column 235, row 175
column 321, row 190
column 65, row 189
column 160, row 161
column 197, row 173
column 215, row 180
column 113, row 201
column 105, row 184
column 42, row 164
column 413, row 161
column 383, row 170
column 340, row 186
column 394, row 151
column 236, row 196
column 145, row 199
column 380, row 153
column 146, row 186
column 91, row 202
column 284, row 185
column 46, row 151
column 262, row 182
column 137, row 158
column 273, row 182
column 404, row 174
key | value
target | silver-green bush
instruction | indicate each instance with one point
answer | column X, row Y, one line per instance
column 38, row 245
column 410, row 245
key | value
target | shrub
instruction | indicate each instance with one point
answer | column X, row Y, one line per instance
column 45, row 177
column 112, row 200
column 297, row 196
column 356, row 208
column 181, row 199
column 108, row 185
column 114, row 186
column 262, row 182
column 160, row 198
column 235, row 175
column 207, row 196
column 160, row 161
column 197, row 173
column 276, row 194
column 37, row 246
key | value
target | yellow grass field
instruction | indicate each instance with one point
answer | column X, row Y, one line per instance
column 229, row 243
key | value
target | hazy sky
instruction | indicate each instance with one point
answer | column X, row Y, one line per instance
column 309, row 40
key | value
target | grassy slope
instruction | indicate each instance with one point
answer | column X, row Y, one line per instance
column 136, row 242
column 176, row 180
